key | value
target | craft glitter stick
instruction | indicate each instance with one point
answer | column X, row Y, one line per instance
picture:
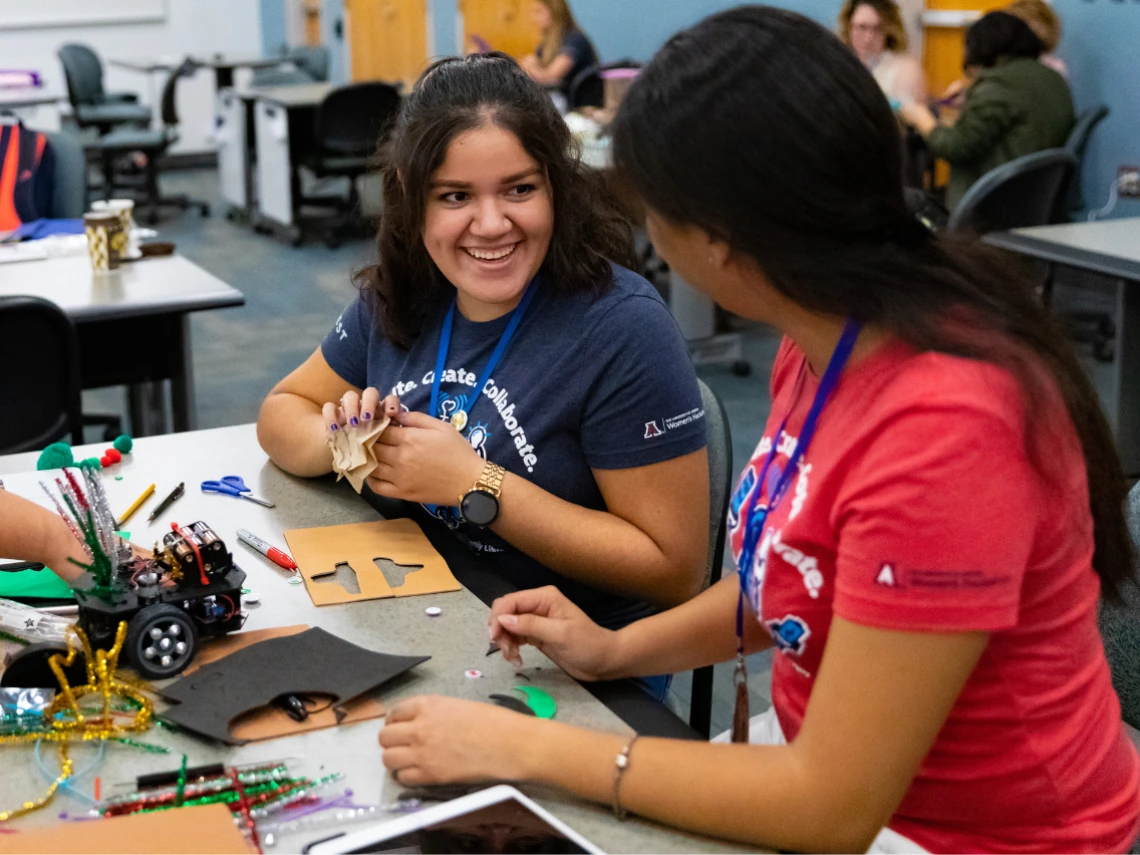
column 59, row 510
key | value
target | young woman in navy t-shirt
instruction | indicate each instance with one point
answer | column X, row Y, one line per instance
column 923, row 533
column 548, row 410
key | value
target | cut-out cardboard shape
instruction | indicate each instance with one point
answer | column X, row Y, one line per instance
column 319, row 551
column 353, row 456
column 215, row 697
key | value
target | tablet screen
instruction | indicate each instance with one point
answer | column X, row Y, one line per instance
column 507, row 826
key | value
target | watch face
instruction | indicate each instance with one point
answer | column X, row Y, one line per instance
column 480, row 508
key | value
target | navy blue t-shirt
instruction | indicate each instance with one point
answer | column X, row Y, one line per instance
column 578, row 47
column 587, row 383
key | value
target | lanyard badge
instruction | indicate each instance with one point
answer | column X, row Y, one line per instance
column 755, row 515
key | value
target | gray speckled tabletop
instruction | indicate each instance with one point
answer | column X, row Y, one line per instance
column 456, row 639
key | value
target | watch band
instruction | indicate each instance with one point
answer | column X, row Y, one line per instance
column 490, row 481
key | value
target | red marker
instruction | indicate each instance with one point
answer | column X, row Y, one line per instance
column 274, row 554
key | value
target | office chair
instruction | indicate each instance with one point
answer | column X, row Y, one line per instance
column 720, row 486
column 41, row 397
column 311, row 65
column 92, row 106
column 587, row 88
column 350, row 124
column 1087, row 327
column 153, row 143
column 1028, row 191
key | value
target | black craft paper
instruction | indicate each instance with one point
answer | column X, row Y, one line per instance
column 310, row 662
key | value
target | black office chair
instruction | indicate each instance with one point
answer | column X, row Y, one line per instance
column 587, row 89
column 92, row 106
column 350, row 124
column 153, row 143
column 1076, row 145
column 1028, row 191
column 39, row 396
column 720, row 486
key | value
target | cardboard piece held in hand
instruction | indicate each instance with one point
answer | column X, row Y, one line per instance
column 351, row 447
column 199, row 829
column 272, row 722
column 318, row 551
column 314, row 662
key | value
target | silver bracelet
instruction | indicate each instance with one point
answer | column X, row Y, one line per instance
column 621, row 764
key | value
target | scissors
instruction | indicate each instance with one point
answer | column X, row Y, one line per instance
column 233, row 485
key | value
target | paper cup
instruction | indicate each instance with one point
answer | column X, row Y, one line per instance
column 106, row 240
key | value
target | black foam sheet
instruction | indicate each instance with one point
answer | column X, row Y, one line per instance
column 310, row 662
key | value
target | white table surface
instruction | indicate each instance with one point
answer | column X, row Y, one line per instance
column 291, row 95
column 456, row 640
column 1118, row 238
column 149, row 286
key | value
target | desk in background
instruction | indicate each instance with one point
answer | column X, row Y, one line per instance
column 456, row 639
column 133, row 323
column 26, row 103
column 1110, row 248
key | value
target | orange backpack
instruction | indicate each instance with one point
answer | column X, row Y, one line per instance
column 27, row 176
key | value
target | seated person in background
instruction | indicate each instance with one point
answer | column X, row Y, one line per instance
column 1014, row 106
column 564, row 52
column 593, row 410
column 875, row 31
column 1046, row 25
column 32, row 533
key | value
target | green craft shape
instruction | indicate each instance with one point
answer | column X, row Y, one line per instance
column 55, row 456
column 539, row 701
column 123, row 444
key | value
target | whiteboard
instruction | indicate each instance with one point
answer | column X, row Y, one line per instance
column 21, row 14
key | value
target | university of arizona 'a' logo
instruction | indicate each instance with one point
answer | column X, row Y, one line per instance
column 652, row 429
column 790, row 634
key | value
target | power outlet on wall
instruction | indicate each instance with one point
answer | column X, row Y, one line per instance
column 1128, row 181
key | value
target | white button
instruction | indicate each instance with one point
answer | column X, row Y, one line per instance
column 433, row 611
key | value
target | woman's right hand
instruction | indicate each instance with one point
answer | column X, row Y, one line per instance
column 353, row 408
column 545, row 618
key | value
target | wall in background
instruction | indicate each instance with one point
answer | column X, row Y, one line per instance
column 446, row 36
column 274, row 31
column 1099, row 45
column 191, row 26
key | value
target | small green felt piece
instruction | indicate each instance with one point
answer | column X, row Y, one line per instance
column 123, row 444
column 55, row 456
column 34, row 583
column 539, row 701
column 118, row 477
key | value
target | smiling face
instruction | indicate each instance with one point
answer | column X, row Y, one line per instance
column 867, row 37
column 489, row 220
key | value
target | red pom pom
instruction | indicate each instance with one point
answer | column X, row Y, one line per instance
column 114, row 455
column 105, row 461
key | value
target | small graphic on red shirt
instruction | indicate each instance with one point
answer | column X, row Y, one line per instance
column 886, row 576
column 652, row 430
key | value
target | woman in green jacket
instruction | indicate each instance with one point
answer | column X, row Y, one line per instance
column 1015, row 105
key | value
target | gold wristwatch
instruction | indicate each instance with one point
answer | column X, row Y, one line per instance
column 479, row 506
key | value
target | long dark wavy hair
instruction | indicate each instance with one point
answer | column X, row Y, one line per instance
column 760, row 127
column 454, row 96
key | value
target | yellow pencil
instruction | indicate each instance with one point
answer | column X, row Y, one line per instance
column 146, row 495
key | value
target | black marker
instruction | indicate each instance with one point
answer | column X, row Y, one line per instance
column 167, row 502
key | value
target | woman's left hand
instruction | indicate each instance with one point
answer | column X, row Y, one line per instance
column 438, row 740
column 918, row 116
column 426, row 460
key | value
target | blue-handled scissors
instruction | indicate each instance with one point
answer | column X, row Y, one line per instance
column 233, row 485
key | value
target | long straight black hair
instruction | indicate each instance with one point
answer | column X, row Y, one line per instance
column 458, row 95
column 760, row 127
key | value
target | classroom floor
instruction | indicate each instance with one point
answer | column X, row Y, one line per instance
column 293, row 297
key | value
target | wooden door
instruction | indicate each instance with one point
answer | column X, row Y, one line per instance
column 944, row 37
column 503, row 24
column 387, row 39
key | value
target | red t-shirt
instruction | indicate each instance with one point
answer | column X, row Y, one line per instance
column 917, row 508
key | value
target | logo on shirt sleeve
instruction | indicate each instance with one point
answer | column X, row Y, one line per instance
column 886, row 576
column 652, row 429
column 790, row 634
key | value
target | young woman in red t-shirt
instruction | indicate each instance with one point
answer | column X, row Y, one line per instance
column 925, row 529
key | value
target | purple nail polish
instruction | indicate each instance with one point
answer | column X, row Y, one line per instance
column 354, row 421
column 334, row 427
column 367, row 417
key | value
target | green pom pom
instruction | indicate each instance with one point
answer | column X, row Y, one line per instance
column 123, row 444
column 56, row 456
column 93, row 462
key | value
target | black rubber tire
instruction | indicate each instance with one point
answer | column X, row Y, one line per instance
column 741, row 368
column 161, row 616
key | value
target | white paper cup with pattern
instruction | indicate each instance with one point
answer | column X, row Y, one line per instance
column 106, row 240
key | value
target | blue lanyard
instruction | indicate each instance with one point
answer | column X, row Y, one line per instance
column 755, row 514
column 496, row 354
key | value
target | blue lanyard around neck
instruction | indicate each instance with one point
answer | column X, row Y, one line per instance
column 497, row 354
column 755, row 514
